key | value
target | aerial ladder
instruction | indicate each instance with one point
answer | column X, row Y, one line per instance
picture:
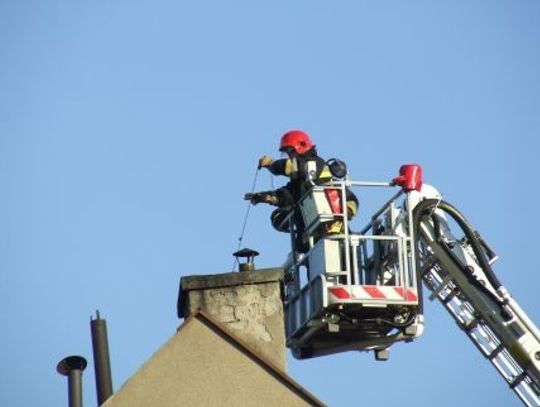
column 362, row 290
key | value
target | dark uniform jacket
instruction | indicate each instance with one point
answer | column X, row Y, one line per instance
column 303, row 171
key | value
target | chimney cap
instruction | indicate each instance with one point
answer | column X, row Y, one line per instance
column 249, row 254
column 246, row 252
column 70, row 363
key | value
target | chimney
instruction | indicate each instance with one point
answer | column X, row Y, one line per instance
column 248, row 303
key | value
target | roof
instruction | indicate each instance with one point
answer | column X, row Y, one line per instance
column 265, row 363
column 205, row 364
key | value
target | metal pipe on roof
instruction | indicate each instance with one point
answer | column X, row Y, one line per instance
column 102, row 364
column 72, row 367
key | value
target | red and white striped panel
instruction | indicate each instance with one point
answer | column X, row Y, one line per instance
column 372, row 292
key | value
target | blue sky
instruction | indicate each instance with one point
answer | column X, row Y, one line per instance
column 129, row 131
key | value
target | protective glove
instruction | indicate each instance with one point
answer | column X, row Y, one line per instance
column 261, row 197
column 265, row 161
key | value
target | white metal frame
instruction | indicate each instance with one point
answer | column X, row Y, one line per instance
column 307, row 305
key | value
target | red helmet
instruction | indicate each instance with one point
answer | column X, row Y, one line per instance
column 296, row 140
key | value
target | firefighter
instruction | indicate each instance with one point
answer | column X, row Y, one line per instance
column 304, row 168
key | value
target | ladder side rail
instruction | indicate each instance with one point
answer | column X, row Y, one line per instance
column 513, row 335
column 527, row 322
column 482, row 336
column 489, row 310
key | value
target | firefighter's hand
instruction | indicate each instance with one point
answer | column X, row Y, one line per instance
column 260, row 197
column 265, row 161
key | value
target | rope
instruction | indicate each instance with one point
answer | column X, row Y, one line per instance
column 245, row 218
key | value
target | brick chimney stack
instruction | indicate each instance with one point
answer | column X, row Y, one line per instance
column 249, row 303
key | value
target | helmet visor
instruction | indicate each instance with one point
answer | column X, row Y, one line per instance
column 290, row 151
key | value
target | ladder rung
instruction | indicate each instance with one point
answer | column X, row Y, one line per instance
column 441, row 287
column 470, row 325
column 517, row 380
column 428, row 266
column 450, row 296
column 495, row 352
